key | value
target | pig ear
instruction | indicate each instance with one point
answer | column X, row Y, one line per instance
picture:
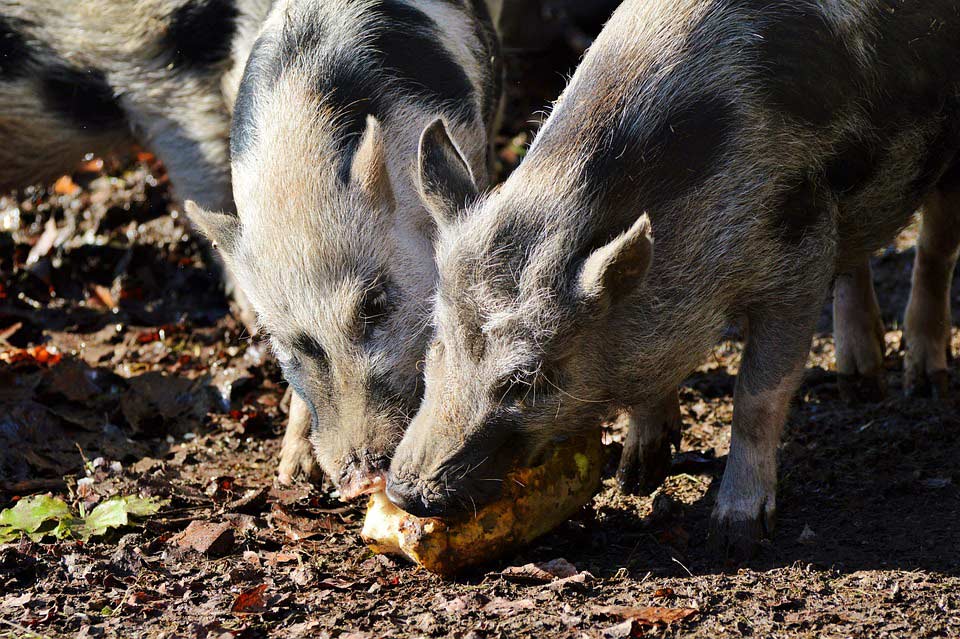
column 619, row 266
column 446, row 182
column 222, row 229
column 369, row 166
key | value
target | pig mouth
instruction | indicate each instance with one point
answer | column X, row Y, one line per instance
column 363, row 476
column 356, row 484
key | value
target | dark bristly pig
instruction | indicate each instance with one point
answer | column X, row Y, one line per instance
column 711, row 162
column 333, row 243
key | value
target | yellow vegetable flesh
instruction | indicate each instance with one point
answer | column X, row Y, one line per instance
column 534, row 501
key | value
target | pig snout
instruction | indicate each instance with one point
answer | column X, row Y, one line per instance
column 445, row 495
column 412, row 495
column 364, row 474
column 454, row 484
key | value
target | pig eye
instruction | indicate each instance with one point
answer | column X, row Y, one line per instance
column 374, row 308
column 309, row 347
column 527, row 389
column 511, row 390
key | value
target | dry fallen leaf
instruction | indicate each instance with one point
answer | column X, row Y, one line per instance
column 506, row 607
column 296, row 527
column 649, row 616
column 104, row 296
column 207, row 538
column 623, row 630
column 250, row 601
column 65, row 186
column 542, row 572
column 578, row 581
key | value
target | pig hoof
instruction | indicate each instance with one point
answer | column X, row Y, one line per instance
column 636, row 476
column 918, row 383
column 736, row 536
column 862, row 388
column 297, row 461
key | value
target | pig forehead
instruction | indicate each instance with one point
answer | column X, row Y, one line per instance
column 315, row 248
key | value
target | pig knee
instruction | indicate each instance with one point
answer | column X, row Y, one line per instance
column 859, row 336
column 746, row 503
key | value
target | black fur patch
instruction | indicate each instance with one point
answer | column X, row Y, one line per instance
column 950, row 180
column 803, row 67
column 259, row 76
column 646, row 168
column 852, row 166
column 406, row 52
column 14, row 52
column 201, row 32
column 82, row 97
column 941, row 154
column 918, row 50
column 408, row 45
column 351, row 90
column 800, row 211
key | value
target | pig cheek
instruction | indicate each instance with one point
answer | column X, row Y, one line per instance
column 329, row 447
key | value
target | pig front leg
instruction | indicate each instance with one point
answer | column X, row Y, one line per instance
column 645, row 461
column 778, row 341
column 296, row 453
column 859, row 335
column 927, row 323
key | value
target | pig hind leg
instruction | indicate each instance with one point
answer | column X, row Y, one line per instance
column 645, row 461
column 927, row 323
column 859, row 335
column 778, row 340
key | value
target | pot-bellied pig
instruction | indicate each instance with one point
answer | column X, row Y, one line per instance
column 332, row 244
column 766, row 146
column 92, row 77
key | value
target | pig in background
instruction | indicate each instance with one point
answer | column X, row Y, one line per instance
column 332, row 243
column 767, row 147
column 95, row 77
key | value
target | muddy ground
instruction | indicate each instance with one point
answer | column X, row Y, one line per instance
column 137, row 379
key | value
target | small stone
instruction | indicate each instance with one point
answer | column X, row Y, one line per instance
column 207, row 538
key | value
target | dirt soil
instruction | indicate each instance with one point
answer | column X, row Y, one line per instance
column 137, row 379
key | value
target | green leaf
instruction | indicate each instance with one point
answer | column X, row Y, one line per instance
column 29, row 516
column 43, row 515
column 114, row 513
